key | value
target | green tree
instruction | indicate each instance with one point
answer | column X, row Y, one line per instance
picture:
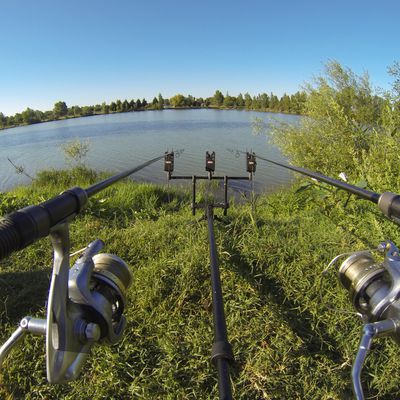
column 18, row 119
column 87, row 110
column 3, row 120
column 240, row 100
column 105, row 108
column 154, row 103
column 190, row 101
column 119, row 106
column 264, row 101
column 273, row 102
column 60, row 109
column 113, row 106
column 256, row 104
column 160, row 101
column 218, row 98
column 138, row 104
column 284, row 103
column 48, row 116
column 76, row 111
column 177, row 101
column 30, row 116
column 248, row 102
column 298, row 101
column 10, row 121
column 229, row 101
column 394, row 72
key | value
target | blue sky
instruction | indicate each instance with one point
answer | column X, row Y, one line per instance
column 86, row 52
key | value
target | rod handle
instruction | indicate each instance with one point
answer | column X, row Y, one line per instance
column 23, row 227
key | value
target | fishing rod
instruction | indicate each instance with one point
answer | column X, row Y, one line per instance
column 222, row 354
column 86, row 302
column 388, row 203
column 374, row 287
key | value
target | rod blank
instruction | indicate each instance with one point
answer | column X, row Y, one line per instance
column 388, row 203
column 363, row 193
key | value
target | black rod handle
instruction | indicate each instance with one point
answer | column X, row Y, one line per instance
column 23, row 227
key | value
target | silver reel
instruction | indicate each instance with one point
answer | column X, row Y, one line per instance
column 374, row 290
column 85, row 305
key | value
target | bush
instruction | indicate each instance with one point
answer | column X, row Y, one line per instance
column 348, row 129
column 76, row 151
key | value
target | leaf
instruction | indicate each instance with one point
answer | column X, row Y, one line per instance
column 362, row 184
column 303, row 187
column 321, row 195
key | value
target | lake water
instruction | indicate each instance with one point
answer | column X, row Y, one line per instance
column 122, row 141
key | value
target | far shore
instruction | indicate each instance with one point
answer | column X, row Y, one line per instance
column 151, row 109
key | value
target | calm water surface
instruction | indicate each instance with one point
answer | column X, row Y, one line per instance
column 121, row 141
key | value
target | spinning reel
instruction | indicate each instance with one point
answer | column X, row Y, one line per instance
column 85, row 305
column 86, row 302
column 374, row 290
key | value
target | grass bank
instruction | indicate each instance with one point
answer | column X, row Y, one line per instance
column 286, row 343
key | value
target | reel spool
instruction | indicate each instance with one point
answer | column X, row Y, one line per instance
column 112, row 277
column 362, row 277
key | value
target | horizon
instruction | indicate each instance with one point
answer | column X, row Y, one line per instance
column 149, row 100
column 86, row 54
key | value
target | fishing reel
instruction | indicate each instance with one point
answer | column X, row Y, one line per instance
column 85, row 306
column 374, row 290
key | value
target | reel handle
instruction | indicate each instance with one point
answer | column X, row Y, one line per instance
column 36, row 326
column 370, row 331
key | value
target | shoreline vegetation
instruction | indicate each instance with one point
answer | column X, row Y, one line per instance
column 293, row 104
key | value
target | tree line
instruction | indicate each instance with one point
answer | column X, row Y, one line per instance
column 261, row 102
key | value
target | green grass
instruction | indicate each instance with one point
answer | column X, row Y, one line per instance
column 287, row 344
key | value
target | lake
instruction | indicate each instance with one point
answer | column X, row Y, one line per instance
column 121, row 141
